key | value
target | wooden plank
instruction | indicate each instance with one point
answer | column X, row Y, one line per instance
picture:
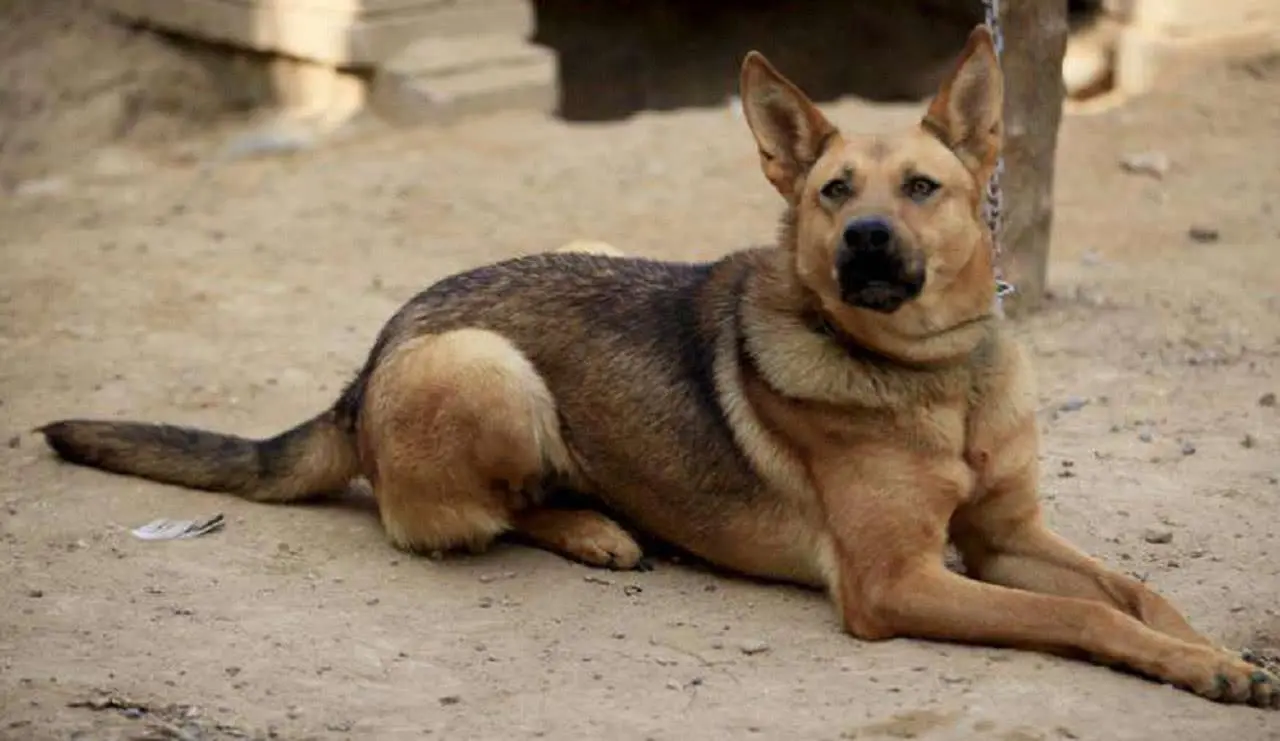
column 1035, row 39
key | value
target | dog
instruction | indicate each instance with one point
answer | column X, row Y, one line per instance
column 833, row 410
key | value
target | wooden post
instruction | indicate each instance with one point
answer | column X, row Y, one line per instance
column 1035, row 39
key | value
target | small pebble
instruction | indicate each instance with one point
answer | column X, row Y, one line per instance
column 1157, row 536
column 450, row 700
column 14, row 442
column 35, row 593
column 1151, row 164
column 673, row 684
column 1146, row 437
column 1188, row 448
column 1267, row 400
column 1248, row 441
column 1073, row 404
column 753, row 647
column 1203, row 234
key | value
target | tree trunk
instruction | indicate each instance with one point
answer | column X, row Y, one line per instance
column 1035, row 38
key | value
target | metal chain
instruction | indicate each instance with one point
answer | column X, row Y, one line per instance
column 993, row 206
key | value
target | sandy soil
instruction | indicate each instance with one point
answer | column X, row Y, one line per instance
column 241, row 297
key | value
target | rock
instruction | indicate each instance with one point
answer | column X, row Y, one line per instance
column 1188, row 448
column 1151, row 164
column 1267, row 400
column 42, row 187
column 450, row 700
column 1248, row 441
column 1146, row 436
column 753, row 647
column 1073, row 404
column 1157, row 536
column 1203, row 234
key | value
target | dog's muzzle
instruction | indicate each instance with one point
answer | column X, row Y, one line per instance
column 872, row 269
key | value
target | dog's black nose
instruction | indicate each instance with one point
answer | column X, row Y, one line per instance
column 868, row 233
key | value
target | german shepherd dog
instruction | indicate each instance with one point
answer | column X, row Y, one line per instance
column 832, row 410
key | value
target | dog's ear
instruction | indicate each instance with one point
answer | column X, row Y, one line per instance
column 967, row 113
column 790, row 131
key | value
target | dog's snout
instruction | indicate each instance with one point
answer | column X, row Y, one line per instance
column 868, row 233
column 874, row 268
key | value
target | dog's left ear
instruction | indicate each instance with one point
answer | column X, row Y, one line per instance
column 789, row 129
column 967, row 114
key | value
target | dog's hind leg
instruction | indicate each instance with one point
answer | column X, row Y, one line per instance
column 580, row 534
column 456, row 432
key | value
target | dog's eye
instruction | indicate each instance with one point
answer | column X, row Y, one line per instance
column 836, row 190
column 918, row 188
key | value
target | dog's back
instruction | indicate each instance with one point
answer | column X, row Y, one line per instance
column 628, row 349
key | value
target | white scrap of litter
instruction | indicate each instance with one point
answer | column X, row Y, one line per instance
column 163, row 529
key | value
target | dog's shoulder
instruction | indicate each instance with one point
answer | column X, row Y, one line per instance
column 1002, row 373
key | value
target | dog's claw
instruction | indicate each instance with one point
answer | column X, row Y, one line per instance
column 1222, row 687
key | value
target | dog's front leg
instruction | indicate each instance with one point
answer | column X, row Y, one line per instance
column 925, row 600
column 888, row 535
column 1021, row 552
column 1000, row 532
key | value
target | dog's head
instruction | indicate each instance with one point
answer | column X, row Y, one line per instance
column 887, row 231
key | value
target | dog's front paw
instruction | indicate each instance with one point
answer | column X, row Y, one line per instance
column 1229, row 678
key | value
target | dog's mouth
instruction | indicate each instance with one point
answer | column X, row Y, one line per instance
column 882, row 296
column 878, row 282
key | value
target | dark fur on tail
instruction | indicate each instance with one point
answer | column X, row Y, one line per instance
column 313, row 458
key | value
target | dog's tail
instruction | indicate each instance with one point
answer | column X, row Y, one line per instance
column 316, row 457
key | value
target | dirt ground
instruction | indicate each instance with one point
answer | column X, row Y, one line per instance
column 241, row 296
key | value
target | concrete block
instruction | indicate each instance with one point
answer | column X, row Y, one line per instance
column 442, row 79
column 344, row 33
column 1205, row 20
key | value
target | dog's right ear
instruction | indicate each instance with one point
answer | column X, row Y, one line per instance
column 790, row 132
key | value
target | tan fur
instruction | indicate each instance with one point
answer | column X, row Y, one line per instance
column 455, row 428
column 758, row 412
column 590, row 247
